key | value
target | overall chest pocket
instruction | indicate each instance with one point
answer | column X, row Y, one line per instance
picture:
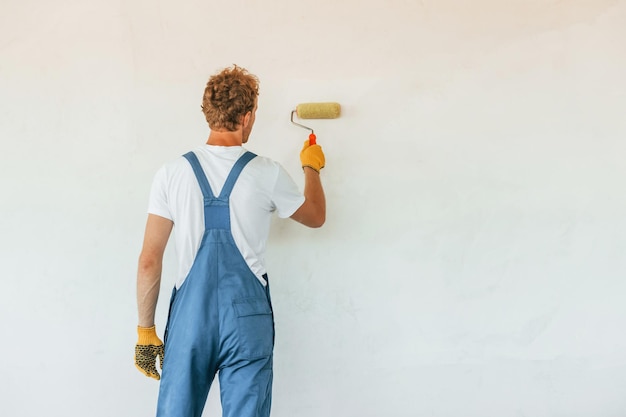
column 255, row 327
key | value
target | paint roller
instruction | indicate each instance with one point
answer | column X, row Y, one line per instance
column 315, row 111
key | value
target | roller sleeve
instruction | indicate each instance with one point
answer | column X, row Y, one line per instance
column 318, row 110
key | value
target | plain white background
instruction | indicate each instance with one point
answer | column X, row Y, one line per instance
column 472, row 263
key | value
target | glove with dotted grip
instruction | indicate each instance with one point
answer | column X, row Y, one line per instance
column 148, row 348
column 312, row 156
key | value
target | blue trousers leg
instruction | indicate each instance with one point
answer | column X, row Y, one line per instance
column 246, row 388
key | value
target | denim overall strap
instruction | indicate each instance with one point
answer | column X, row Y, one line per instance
column 197, row 169
column 234, row 174
column 216, row 209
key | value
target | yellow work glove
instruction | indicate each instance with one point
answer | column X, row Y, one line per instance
column 312, row 156
column 148, row 347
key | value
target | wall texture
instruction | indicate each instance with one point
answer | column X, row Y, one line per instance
column 472, row 263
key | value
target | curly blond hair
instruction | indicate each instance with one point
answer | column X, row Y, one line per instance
column 228, row 96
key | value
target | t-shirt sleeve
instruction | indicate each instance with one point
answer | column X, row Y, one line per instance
column 158, row 203
column 287, row 197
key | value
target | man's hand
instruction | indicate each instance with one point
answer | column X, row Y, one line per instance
column 312, row 156
column 148, row 347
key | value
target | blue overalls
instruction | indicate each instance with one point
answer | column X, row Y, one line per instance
column 220, row 320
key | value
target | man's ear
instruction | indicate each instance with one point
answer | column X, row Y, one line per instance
column 246, row 119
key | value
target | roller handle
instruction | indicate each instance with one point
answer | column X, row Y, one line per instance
column 312, row 139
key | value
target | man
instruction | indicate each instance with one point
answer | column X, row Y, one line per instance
column 219, row 199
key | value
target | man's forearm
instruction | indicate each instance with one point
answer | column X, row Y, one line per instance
column 150, row 265
column 314, row 192
column 148, row 286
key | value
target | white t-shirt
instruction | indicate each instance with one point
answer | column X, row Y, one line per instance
column 264, row 187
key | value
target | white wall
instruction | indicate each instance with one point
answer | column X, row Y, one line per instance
column 472, row 263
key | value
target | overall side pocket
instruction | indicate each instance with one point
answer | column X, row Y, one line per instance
column 255, row 327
